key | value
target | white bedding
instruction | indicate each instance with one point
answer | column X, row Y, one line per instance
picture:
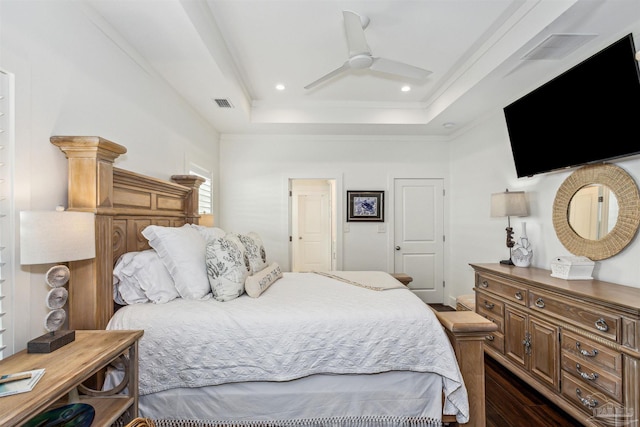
column 304, row 324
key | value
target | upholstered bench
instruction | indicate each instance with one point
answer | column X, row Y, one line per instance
column 466, row 302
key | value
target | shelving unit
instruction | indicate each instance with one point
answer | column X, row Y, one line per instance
column 67, row 369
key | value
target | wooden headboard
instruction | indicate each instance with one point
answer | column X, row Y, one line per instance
column 124, row 203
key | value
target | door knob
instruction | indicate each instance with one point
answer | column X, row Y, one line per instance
column 397, row 248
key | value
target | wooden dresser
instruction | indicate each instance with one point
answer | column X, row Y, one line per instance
column 576, row 341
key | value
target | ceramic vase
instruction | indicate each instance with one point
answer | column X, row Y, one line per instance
column 522, row 252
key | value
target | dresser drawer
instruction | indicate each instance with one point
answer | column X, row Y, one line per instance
column 503, row 288
column 592, row 352
column 488, row 305
column 592, row 375
column 593, row 320
column 587, row 398
column 496, row 340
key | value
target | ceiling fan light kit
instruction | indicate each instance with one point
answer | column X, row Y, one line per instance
column 360, row 56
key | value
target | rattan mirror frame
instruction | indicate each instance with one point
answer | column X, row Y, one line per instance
column 625, row 190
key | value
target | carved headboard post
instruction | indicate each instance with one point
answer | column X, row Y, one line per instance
column 193, row 182
column 90, row 189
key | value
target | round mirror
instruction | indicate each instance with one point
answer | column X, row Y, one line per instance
column 581, row 225
column 593, row 211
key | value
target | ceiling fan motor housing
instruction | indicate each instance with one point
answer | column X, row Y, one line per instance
column 360, row 61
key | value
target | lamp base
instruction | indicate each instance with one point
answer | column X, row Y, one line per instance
column 51, row 341
column 506, row 262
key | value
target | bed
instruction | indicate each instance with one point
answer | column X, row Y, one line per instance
column 344, row 367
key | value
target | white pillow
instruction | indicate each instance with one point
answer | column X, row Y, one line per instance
column 260, row 281
column 125, row 290
column 209, row 233
column 182, row 251
column 227, row 267
column 255, row 251
column 149, row 273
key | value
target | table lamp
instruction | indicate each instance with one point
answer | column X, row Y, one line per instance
column 48, row 237
column 509, row 203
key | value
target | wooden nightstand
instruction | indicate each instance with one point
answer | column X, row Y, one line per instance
column 66, row 369
column 405, row 279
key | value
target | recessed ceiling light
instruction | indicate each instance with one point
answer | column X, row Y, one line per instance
column 279, row 86
column 406, row 88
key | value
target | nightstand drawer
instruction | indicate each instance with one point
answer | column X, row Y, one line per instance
column 502, row 288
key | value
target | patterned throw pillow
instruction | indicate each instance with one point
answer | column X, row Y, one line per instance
column 260, row 282
column 255, row 251
column 227, row 267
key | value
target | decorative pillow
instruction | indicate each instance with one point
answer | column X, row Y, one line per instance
column 182, row 251
column 148, row 273
column 125, row 290
column 209, row 233
column 227, row 267
column 260, row 281
column 255, row 251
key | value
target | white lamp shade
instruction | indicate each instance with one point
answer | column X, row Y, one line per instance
column 56, row 236
column 509, row 203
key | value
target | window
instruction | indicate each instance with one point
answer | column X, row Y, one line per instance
column 205, row 196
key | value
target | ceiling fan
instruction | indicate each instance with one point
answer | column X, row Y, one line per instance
column 360, row 56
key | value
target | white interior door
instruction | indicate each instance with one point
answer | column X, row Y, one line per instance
column 419, row 235
column 311, row 223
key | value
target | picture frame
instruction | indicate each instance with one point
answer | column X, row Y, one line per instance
column 365, row 206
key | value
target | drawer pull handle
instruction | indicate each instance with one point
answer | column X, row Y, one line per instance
column 518, row 295
column 539, row 303
column 590, row 377
column 484, row 284
column 592, row 353
column 489, row 337
column 602, row 325
column 488, row 305
column 589, row 403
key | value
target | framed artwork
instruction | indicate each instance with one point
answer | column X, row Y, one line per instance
column 366, row 206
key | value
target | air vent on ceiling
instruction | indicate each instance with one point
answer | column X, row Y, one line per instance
column 557, row 46
column 223, row 103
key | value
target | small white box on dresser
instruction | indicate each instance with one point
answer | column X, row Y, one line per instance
column 572, row 268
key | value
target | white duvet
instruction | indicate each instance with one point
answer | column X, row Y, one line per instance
column 304, row 324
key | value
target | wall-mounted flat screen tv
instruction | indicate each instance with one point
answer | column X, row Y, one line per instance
column 588, row 114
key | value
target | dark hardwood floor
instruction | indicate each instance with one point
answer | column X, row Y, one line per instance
column 510, row 402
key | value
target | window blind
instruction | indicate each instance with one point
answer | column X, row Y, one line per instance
column 6, row 209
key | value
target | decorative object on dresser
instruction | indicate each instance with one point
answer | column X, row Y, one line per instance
column 522, row 251
column 509, row 203
column 577, row 343
column 572, row 267
column 623, row 211
column 49, row 237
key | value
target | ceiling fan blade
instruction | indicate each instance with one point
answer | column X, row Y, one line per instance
column 354, row 29
column 328, row 76
column 399, row 68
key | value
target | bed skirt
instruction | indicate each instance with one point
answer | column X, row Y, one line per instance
column 317, row 422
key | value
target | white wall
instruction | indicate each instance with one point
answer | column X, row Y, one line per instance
column 481, row 164
column 254, row 173
column 71, row 79
column 255, row 169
